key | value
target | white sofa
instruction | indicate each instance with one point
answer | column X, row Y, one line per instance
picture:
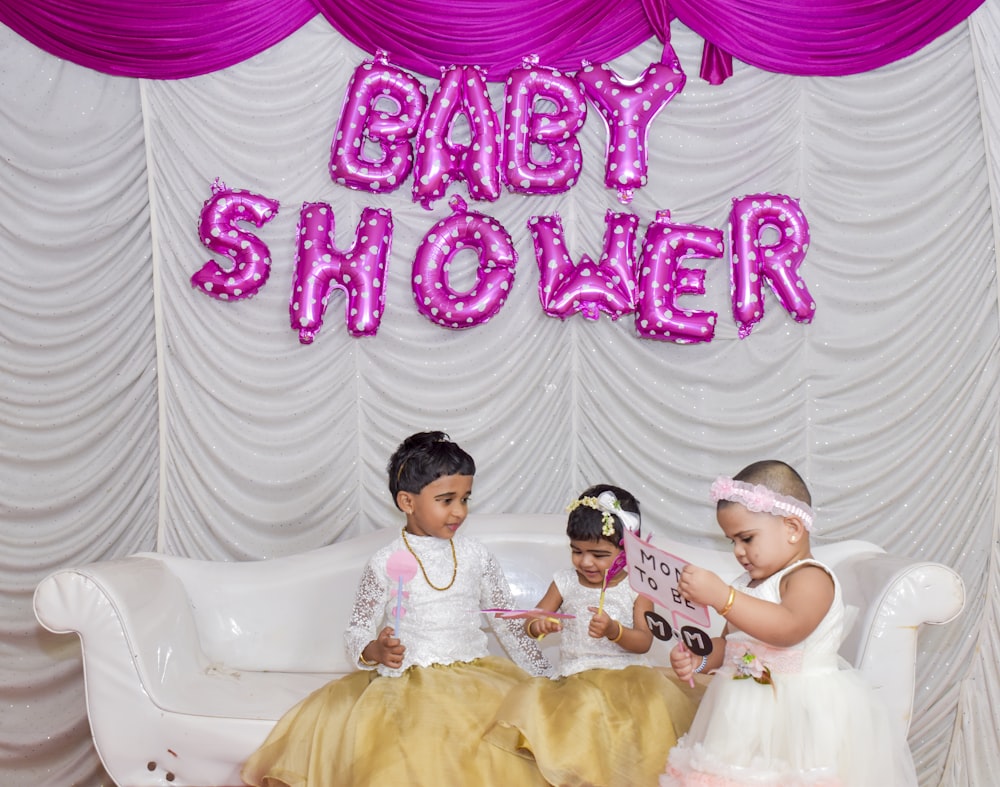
column 188, row 663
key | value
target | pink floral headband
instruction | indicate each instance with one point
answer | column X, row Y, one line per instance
column 759, row 498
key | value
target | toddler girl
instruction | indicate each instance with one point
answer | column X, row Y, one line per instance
column 607, row 718
column 416, row 711
column 780, row 710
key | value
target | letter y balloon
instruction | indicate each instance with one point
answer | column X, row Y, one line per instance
column 628, row 109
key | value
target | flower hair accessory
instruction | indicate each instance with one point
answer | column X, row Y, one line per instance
column 610, row 507
column 760, row 498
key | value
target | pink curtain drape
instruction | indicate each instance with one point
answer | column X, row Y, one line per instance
column 820, row 37
column 169, row 39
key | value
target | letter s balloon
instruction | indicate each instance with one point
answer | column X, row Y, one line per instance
column 219, row 232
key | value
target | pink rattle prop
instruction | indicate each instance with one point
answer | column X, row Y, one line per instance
column 402, row 567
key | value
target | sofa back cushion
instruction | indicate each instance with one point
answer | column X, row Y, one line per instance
column 288, row 614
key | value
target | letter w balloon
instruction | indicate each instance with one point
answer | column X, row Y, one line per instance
column 565, row 288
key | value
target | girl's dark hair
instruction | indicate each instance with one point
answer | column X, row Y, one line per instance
column 423, row 458
column 586, row 523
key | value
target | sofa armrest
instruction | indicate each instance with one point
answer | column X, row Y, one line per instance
column 134, row 621
column 135, row 629
column 895, row 596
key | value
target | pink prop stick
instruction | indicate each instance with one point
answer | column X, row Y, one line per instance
column 682, row 646
column 399, row 606
column 604, row 588
column 402, row 567
column 527, row 613
column 619, row 563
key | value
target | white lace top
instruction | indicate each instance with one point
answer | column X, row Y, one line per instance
column 440, row 626
column 578, row 650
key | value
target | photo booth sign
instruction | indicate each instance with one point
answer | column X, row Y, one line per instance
column 653, row 573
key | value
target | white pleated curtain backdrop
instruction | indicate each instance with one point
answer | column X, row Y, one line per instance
column 139, row 414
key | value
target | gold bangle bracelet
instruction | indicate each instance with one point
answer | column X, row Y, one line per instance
column 729, row 601
column 366, row 662
column 621, row 631
column 527, row 628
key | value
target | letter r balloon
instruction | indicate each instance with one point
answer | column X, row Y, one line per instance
column 755, row 258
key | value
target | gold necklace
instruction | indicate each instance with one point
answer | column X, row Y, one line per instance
column 454, row 562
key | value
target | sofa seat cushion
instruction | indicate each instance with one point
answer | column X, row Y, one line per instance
column 232, row 694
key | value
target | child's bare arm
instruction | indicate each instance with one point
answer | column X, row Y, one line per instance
column 643, row 639
column 685, row 663
column 806, row 596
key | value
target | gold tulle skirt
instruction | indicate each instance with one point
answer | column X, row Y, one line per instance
column 598, row 728
column 424, row 727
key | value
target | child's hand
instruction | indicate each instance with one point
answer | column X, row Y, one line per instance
column 539, row 627
column 602, row 624
column 386, row 649
column 684, row 663
column 701, row 586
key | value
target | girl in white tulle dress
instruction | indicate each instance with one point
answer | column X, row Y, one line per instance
column 607, row 717
column 782, row 709
column 426, row 691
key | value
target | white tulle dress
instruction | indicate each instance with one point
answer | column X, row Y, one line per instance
column 817, row 722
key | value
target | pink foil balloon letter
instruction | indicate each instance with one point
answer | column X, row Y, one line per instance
column 251, row 258
column 441, row 157
column 526, row 125
column 371, row 150
column 628, row 109
column 359, row 271
column 756, row 257
column 565, row 288
column 435, row 298
column 662, row 279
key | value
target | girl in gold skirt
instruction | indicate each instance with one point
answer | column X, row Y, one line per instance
column 607, row 718
column 415, row 712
